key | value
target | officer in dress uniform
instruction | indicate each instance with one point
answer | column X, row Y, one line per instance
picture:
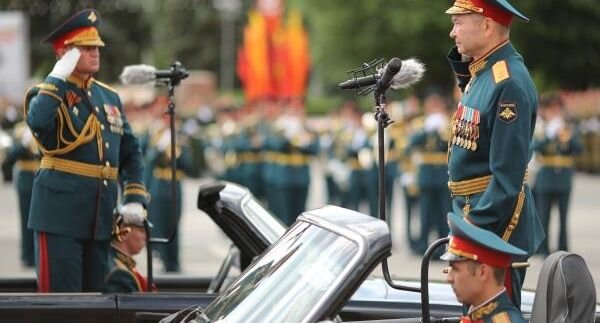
column 492, row 129
column 128, row 241
column 25, row 155
column 478, row 262
column 88, row 149
column 556, row 148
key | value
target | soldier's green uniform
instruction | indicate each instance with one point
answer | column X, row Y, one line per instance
column 123, row 277
column 27, row 161
column 490, row 145
column 160, row 208
column 554, row 180
column 470, row 243
column 86, row 144
column 432, row 179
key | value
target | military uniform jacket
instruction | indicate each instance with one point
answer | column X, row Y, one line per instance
column 498, row 310
column 81, row 121
column 491, row 135
column 555, row 178
column 433, row 169
column 123, row 277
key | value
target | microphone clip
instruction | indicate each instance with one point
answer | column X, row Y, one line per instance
column 174, row 75
column 366, row 69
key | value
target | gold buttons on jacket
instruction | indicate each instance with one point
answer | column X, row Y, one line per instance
column 97, row 109
column 107, row 145
column 102, row 127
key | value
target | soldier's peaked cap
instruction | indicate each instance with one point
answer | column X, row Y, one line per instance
column 499, row 10
column 79, row 29
column 470, row 242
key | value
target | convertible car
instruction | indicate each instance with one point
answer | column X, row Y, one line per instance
column 316, row 270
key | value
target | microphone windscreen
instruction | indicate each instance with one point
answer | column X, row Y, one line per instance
column 138, row 74
column 411, row 72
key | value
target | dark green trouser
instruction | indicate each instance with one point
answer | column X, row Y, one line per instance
column 434, row 204
column 26, row 233
column 66, row 264
column 544, row 202
column 410, row 202
column 293, row 202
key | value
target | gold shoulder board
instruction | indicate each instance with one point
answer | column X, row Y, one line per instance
column 500, row 70
column 501, row 317
column 106, row 86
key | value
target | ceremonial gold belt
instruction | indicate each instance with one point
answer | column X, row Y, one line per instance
column 79, row 168
column 478, row 185
column 354, row 163
column 28, row 165
column 164, row 173
column 434, row 158
column 556, row 161
column 248, row 157
column 293, row 159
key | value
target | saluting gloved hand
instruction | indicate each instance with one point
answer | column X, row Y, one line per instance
column 66, row 64
column 133, row 213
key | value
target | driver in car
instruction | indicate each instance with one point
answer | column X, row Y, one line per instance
column 478, row 262
column 128, row 240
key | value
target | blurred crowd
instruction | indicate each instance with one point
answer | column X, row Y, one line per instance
column 273, row 147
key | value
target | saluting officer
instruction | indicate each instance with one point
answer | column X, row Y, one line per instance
column 555, row 147
column 87, row 148
column 24, row 153
column 478, row 262
column 492, row 128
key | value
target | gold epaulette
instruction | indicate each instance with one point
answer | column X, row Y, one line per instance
column 500, row 71
column 501, row 317
column 106, row 86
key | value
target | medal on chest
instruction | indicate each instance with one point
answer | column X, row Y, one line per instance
column 113, row 116
column 465, row 127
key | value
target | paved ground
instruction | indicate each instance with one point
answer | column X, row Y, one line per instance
column 203, row 245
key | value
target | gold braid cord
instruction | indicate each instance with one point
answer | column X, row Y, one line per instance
column 91, row 130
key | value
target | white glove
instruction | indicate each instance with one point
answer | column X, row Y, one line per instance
column 435, row 122
column 27, row 137
column 164, row 141
column 66, row 64
column 553, row 127
column 133, row 213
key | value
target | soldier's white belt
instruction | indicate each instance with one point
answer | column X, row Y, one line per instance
column 79, row 168
column 28, row 165
column 556, row 161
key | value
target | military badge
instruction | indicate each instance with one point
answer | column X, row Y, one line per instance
column 72, row 99
column 507, row 112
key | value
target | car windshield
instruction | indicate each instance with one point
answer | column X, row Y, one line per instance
column 264, row 221
column 289, row 281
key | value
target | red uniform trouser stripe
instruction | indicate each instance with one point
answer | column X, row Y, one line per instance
column 508, row 282
column 44, row 266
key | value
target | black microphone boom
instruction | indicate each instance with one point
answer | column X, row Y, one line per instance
column 359, row 82
column 175, row 74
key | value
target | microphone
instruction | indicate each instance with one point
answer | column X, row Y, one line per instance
column 145, row 74
column 398, row 74
column 389, row 71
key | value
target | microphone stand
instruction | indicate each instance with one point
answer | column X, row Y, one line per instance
column 177, row 74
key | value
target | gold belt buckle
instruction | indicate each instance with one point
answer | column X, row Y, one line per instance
column 105, row 172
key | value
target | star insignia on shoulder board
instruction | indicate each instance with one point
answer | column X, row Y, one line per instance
column 92, row 17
